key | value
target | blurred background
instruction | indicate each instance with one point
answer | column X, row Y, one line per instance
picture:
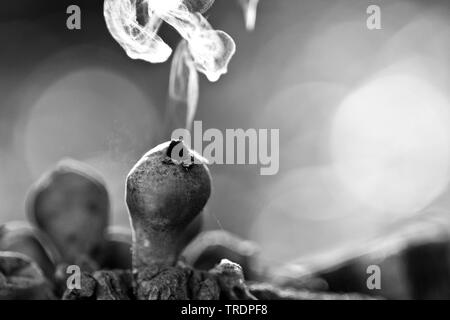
column 363, row 114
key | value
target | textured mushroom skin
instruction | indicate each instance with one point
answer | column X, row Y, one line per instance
column 164, row 196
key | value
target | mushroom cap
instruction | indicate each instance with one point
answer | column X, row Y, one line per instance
column 166, row 192
column 70, row 205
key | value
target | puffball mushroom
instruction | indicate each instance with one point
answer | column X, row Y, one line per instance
column 210, row 247
column 166, row 190
column 22, row 279
column 22, row 238
column 70, row 204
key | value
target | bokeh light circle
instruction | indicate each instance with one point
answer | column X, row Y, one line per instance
column 85, row 114
column 390, row 144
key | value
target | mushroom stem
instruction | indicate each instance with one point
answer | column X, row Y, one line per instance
column 156, row 248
